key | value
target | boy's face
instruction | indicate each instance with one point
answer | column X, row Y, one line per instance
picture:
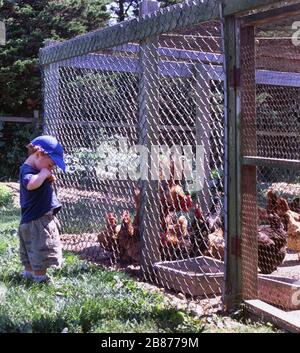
column 44, row 161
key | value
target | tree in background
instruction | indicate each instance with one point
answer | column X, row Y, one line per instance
column 122, row 10
column 28, row 24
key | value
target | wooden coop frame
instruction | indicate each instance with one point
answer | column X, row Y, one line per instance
column 240, row 171
column 242, row 237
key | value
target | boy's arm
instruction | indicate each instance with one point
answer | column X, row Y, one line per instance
column 37, row 180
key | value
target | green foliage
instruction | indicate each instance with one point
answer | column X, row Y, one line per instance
column 5, row 196
column 13, row 152
column 122, row 10
column 28, row 24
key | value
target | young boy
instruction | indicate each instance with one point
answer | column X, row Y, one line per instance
column 40, row 246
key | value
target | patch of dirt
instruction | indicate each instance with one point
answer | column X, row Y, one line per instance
column 74, row 195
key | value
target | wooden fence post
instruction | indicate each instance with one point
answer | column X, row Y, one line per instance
column 233, row 278
column 241, row 243
column 249, row 220
column 51, row 78
column 203, row 130
column 149, row 136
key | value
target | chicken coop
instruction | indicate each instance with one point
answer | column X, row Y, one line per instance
column 181, row 135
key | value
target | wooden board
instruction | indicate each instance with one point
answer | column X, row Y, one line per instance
column 272, row 15
column 289, row 321
column 280, row 291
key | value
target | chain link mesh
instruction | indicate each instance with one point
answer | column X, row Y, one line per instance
column 168, row 90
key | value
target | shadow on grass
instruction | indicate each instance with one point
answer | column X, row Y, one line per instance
column 89, row 319
column 41, row 325
column 16, row 279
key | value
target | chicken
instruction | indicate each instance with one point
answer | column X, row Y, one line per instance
column 128, row 240
column 121, row 239
column 172, row 195
column 271, row 202
column 272, row 241
column 199, row 233
column 175, row 240
column 292, row 222
column 262, row 214
column 215, row 224
column 207, row 232
column 173, row 198
column 295, row 205
column 214, row 218
column 108, row 237
column 216, row 246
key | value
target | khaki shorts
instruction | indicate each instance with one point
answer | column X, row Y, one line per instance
column 40, row 245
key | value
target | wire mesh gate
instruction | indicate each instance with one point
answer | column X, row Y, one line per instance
column 270, row 159
column 113, row 96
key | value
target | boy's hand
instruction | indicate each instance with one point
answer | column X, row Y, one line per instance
column 52, row 178
column 37, row 180
column 45, row 173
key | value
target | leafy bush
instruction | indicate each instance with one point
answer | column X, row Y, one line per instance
column 13, row 151
column 5, row 196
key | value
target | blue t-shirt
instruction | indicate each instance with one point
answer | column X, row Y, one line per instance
column 35, row 203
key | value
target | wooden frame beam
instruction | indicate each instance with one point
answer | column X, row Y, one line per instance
column 271, row 162
column 175, row 69
column 272, row 15
column 236, row 7
column 162, row 21
column 248, row 173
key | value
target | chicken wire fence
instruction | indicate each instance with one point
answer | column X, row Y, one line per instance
column 150, row 107
column 271, row 152
column 145, row 132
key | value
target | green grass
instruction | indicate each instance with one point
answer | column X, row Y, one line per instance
column 87, row 298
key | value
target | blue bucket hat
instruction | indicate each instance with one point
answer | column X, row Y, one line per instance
column 52, row 148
